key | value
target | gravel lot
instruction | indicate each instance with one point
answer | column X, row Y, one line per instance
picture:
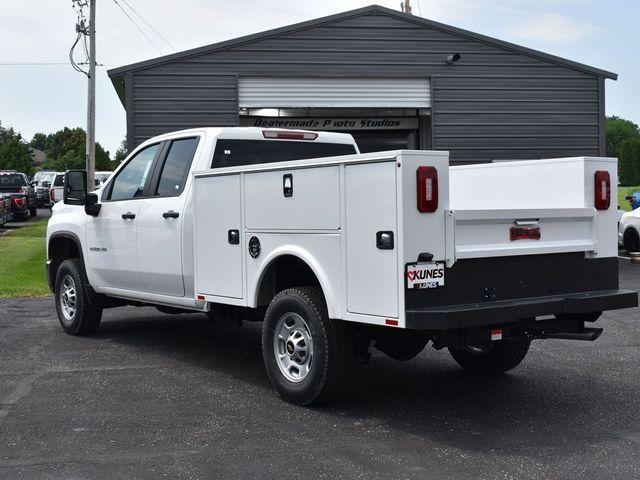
column 155, row 395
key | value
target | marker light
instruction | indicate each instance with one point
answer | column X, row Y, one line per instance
column 602, row 190
column 427, row 189
column 289, row 135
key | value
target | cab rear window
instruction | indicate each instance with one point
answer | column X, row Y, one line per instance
column 12, row 180
column 232, row 153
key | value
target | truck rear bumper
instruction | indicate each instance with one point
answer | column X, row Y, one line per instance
column 454, row 317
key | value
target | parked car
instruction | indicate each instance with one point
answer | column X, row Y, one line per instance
column 629, row 231
column 336, row 255
column 42, row 186
column 101, row 178
column 6, row 215
column 39, row 174
column 23, row 199
column 56, row 190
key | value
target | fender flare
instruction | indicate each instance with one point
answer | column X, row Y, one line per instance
column 307, row 257
column 69, row 236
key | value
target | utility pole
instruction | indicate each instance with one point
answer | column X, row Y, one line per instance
column 91, row 100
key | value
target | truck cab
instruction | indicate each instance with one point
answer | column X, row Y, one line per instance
column 336, row 251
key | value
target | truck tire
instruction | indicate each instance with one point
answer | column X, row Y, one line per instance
column 33, row 212
column 77, row 316
column 307, row 355
column 494, row 357
column 631, row 240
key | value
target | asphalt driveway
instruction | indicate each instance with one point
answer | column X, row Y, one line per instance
column 153, row 396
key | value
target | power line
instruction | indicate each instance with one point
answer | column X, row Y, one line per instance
column 149, row 25
column 48, row 64
column 82, row 32
column 75, row 66
column 138, row 27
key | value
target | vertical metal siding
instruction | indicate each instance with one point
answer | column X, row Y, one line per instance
column 329, row 92
column 493, row 104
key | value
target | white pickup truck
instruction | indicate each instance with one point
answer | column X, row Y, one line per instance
column 338, row 252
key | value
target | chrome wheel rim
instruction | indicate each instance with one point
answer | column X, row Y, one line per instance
column 68, row 299
column 293, row 347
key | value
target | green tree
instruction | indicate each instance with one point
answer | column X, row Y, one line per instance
column 39, row 141
column 65, row 149
column 8, row 134
column 121, row 153
column 14, row 156
column 630, row 162
column 617, row 131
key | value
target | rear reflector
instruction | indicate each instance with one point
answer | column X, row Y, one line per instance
column 289, row 135
column 200, row 297
column 427, row 189
column 602, row 190
column 393, row 323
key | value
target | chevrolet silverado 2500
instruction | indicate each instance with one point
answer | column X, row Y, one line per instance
column 337, row 252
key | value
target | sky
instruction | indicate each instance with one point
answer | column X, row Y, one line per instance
column 45, row 98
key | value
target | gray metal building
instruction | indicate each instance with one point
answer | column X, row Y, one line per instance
column 391, row 79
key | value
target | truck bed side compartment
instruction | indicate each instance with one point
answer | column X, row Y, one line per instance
column 218, row 260
column 372, row 279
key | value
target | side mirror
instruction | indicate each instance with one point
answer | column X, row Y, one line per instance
column 91, row 205
column 75, row 187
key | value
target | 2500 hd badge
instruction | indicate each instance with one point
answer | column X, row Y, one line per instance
column 425, row 275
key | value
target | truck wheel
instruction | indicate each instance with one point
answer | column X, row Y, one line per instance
column 631, row 240
column 33, row 212
column 307, row 355
column 493, row 357
column 77, row 316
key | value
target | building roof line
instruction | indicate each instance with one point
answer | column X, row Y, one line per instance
column 115, row 72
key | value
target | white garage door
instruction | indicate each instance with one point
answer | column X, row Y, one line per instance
column 318, row 92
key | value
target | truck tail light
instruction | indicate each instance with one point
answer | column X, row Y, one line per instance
column 427, row 189
column 18, row 202
column 289, row 135
column 602, row 190
column 52, row 194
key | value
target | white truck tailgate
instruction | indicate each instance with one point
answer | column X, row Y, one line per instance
column 529, row 207
column 493, row 233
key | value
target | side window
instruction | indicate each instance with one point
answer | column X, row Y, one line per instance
column 132, row 178
column 176, row 167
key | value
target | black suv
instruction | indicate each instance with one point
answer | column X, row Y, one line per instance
column 23, row 198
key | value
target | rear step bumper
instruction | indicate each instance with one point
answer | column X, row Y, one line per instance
column 454, row 317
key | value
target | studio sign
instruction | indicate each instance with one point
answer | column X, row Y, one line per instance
column 372, row 123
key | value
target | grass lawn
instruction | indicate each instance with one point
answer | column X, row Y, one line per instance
column 22, row 257
column 623, row 192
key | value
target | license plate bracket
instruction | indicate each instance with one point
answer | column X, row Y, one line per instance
column 424, row 275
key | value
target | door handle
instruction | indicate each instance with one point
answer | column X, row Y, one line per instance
column 128, row 216
column 170, row 214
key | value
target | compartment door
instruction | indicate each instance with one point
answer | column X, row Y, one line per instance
column 372, row 277
column 218, row 255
